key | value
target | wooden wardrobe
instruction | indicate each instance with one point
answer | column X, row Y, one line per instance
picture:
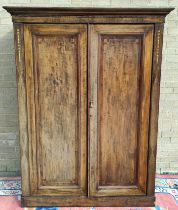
column 88, row 94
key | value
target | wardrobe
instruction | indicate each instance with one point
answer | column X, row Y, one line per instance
column 88, row 95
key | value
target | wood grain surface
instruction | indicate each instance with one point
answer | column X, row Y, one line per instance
column 57, row 96
column 120, row 69
column 88, row 94
column 87, row 15
column 154, row 106
column 124, row 201
column 22, row 106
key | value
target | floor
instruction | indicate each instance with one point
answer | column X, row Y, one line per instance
column 166, row 195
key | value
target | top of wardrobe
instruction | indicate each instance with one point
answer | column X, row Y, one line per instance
column 87, row 15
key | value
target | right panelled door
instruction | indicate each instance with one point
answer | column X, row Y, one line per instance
column 120, row 63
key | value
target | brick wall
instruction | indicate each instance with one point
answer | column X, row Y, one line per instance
column 167, row 158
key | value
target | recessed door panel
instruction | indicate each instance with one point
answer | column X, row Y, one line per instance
column 56, row 89
column 120, row 72
column 117, row 109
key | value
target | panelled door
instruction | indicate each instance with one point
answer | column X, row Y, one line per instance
column 119, row 70
column 120, row 74
column 55, row 58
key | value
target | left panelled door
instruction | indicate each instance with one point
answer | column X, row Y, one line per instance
column 56, row 69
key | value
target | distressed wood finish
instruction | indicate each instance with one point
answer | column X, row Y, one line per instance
column 88, row 15
column 137, row 201
column 154, row 107
column 110, row 19
column 88, row 94
column 56, row 92
column 54, row 11
column 22, row 105
column 120, row 69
